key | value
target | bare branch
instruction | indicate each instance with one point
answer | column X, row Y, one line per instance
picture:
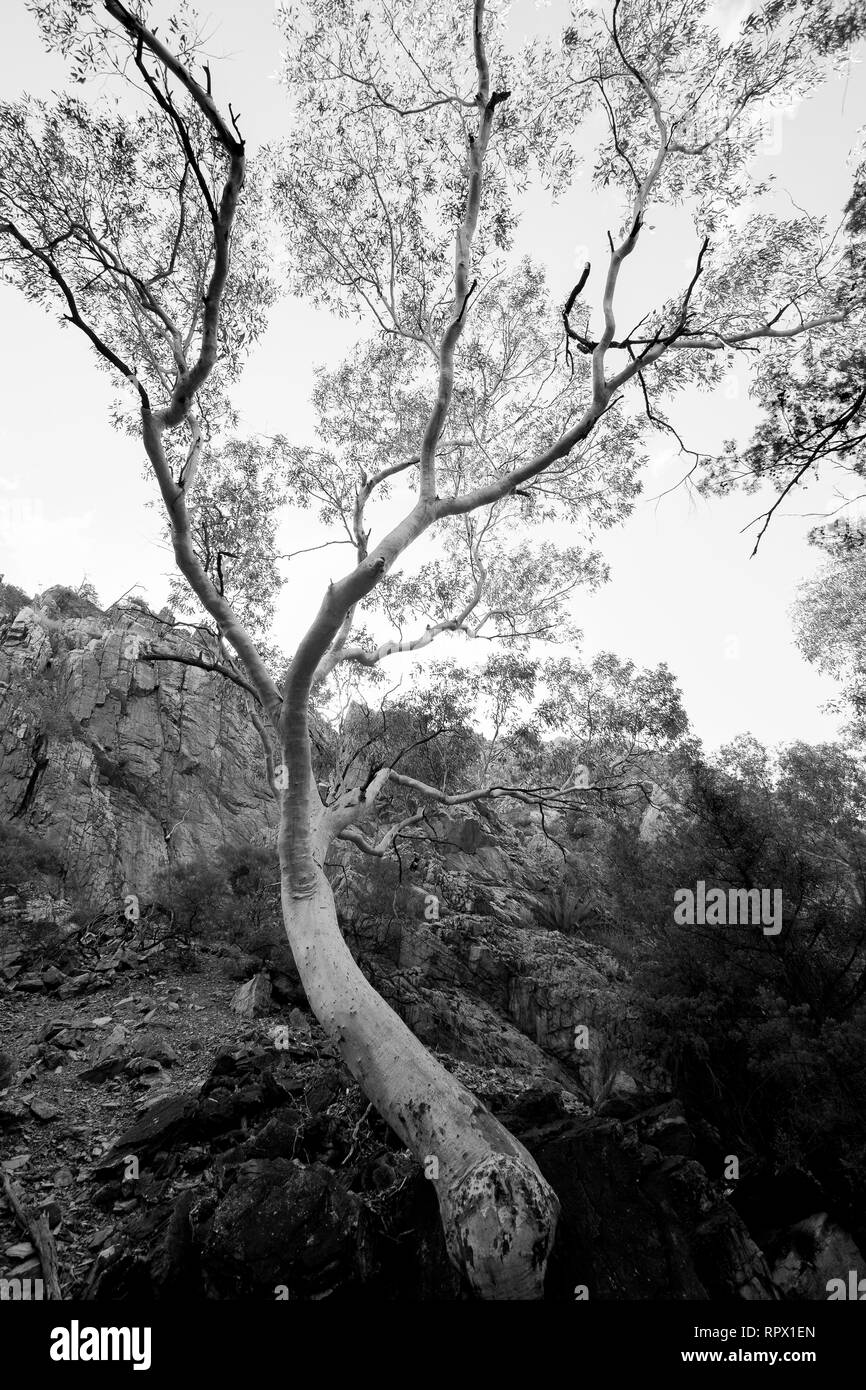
column 74, row 316
column 204, row 664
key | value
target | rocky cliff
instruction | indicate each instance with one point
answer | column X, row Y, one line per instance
column 128, row 763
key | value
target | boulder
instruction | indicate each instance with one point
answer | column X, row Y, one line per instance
column 636, row 1224
column 811, row 1253
column 254, row 998
column 281, row 1225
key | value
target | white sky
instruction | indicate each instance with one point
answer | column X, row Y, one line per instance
column 683, row 588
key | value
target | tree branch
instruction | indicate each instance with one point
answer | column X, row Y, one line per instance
column 204, row 664
column 74, row 316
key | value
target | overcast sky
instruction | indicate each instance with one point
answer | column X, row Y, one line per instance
column 683, row 588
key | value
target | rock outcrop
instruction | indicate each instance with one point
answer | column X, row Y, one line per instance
column 130, row 764
column 274, row 1182
column 812, row 1253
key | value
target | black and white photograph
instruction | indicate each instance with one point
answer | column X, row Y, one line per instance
column 432, row 675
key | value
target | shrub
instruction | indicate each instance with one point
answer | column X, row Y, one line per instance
column 24, row 854
column 12, row 599
column 566, row 908
column 763, row 1036
column 236, row 900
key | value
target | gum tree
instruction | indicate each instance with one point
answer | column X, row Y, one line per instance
column 412, row 135
column 813, row 425
column 830, row 627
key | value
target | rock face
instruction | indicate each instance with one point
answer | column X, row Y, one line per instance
column 135, row 764
column 464, row 962
column 493, row 993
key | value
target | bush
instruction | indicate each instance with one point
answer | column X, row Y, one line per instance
column 236, row 900
column 12, row 599
column 40, row 704
column 768, row 1075
column 566, row 908
column 764, row 1037
column 24, row 854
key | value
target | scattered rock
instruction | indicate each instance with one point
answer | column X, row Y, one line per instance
column 162, row 1124
column 11, row 1114
column 100, row 1237
column 154, row 1048
column 252, row 999
column 42, row 1110
column 12, row 1165
column 21, row 1251
column 110, row 1057
column 76, row 985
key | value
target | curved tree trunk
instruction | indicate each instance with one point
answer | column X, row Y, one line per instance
column 498, row 1213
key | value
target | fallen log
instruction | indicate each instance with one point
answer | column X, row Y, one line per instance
column 39, row 1232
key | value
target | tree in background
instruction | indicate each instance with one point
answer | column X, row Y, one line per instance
column 764, row 1037
column 830, row 623
column 813, row 408
column 413, row 131
column 515, row 729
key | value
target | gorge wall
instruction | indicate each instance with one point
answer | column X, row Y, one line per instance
column 133, row 763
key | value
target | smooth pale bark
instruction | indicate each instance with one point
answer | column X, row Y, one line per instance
column 498, row 1213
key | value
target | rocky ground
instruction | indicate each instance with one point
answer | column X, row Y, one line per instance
column 179, row 1148
column 81, row 1066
